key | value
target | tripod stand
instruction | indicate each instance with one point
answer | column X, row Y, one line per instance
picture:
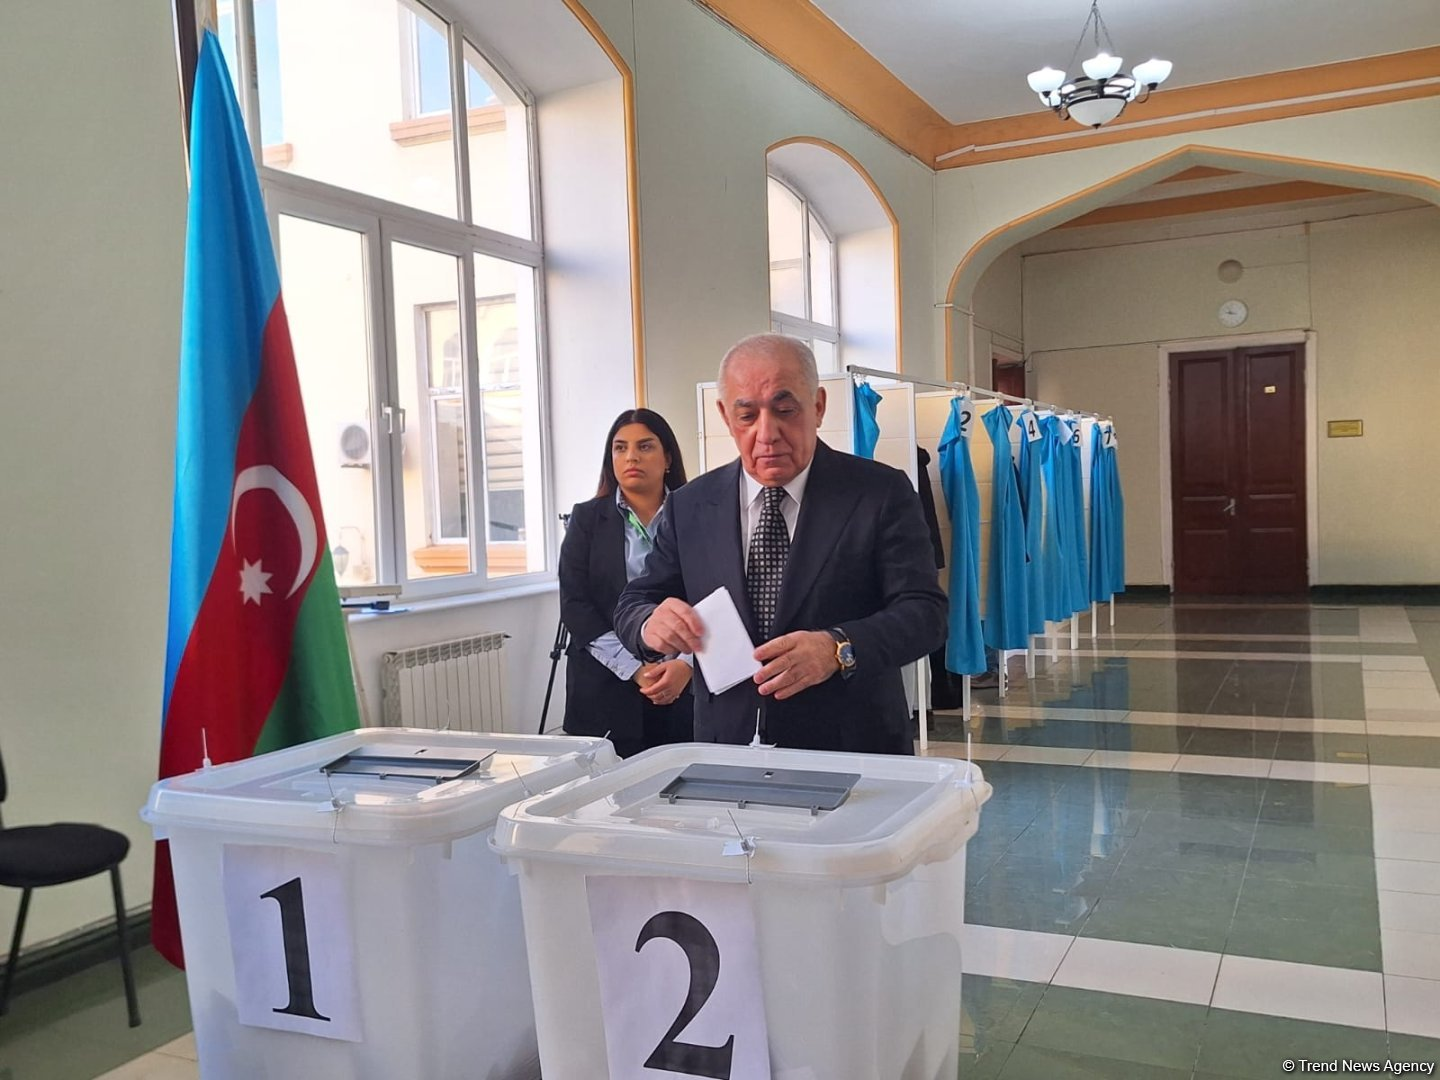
column 557, row 650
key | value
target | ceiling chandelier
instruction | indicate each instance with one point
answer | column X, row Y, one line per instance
column 1104, row 91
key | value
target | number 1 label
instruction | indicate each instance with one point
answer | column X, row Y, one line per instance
column 680, row 988
column 291, row 941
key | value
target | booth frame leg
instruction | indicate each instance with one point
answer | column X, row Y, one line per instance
column 922, row 701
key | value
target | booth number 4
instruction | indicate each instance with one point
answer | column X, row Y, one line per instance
column 680, row 989
column 1032, row 427
column 291, row 942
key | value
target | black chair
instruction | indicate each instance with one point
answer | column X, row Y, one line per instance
column 33, row 856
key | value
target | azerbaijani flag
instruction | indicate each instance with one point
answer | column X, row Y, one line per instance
column 256, row 657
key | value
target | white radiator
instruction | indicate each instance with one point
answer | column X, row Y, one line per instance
column 454, row 685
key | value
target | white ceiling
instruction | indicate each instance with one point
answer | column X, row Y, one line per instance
column 969, row 58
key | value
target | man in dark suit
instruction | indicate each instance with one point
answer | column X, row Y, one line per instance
column 825, row 555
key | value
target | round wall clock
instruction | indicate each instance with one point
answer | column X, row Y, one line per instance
column 1233, row 313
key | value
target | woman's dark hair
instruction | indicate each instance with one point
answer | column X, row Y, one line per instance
column 674, row 477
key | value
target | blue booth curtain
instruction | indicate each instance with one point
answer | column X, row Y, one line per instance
column 867, row 426
column 1117, row 515
column 1078, row 577
column 965, row 647
column 1032, row 508
column 1053, row 553
column 1102, row 551
column 1007, row 615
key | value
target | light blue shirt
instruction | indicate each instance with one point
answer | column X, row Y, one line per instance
column 638, row 545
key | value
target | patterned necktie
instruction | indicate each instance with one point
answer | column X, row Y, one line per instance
column 769, row 544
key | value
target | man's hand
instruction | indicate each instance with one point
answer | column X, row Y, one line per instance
column 645, row 674
column 673, row 627
column 667, row 683
column 795, row 662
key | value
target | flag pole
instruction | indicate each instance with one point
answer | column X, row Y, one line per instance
column 187, row 59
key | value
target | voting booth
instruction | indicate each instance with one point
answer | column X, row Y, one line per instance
column 343, row 912
column 748, row 912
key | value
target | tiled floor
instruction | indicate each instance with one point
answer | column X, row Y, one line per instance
column 1214, row 846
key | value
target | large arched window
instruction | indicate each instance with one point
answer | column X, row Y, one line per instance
column 834, row 254
column 412, row 273
column 803, row 300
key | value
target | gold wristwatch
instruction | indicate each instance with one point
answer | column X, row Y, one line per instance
column 844, row 652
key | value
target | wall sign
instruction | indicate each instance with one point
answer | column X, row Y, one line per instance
column 1344, row 429
column 680, row 985
column 291, row 941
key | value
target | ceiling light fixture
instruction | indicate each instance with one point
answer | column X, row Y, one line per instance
column 1104, row 91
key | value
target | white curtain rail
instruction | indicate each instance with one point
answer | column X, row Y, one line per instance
column 966, row 388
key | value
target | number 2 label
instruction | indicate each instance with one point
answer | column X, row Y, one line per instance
column 703, row 955
column 694, row 1007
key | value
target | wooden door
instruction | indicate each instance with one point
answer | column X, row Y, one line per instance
column 1008, row 377
column 1237, row 470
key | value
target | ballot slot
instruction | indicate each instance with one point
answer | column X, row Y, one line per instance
column 746, row 785
column 417, row 769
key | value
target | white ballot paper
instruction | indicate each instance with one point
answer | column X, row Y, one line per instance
column 726, row 654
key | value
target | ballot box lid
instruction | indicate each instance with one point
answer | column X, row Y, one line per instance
column 749, row 813
column 375, row 785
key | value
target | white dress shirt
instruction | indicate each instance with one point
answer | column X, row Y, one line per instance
column 752, row 502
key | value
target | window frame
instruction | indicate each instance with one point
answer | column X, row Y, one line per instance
column 807, row 326
column 383, row 223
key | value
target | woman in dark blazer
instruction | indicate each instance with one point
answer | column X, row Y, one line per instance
column 607, row 689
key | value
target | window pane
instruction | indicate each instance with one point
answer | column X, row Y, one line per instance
column 432, row 66
column 822, row 298
column 824, row 355
column 323, row 272
column 267, row 64
column 506, row 347
column 366, row 109
column 447, row 416
column 787, row 231
column 434, row 464
column 499, row 150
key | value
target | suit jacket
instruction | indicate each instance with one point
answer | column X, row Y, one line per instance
column 592, row 576
column 860, row 560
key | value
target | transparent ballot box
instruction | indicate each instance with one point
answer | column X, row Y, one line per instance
column 343, row 912
column 706, row 910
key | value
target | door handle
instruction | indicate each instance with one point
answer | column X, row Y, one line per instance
column 1229, row 508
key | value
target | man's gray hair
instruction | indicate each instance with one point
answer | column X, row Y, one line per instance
column 775, row 346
